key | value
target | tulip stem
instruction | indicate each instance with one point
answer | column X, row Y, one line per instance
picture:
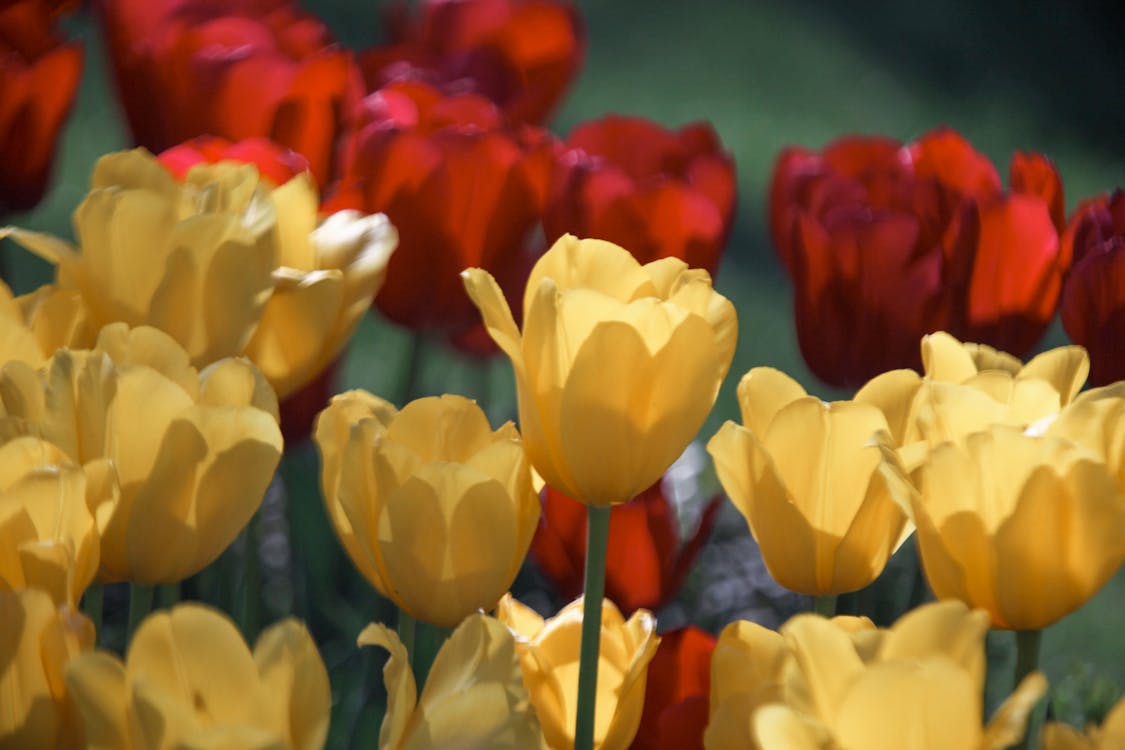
column 250, row 606
column 407, row 627
column 140, row 604
column 168, row 595
column 825, row 605
column 93, row 603
column 412, row 371
column 1027, row 661
column 597, row 538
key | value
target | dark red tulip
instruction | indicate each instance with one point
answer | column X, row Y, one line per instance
column 233, row 68
column 463, row 187
column 276, row 163
column 39, row 76
column 677, row 692
column 521, row 54
column 645, row 563
column 1093, row 300
column 658, row 193
column 887, row 242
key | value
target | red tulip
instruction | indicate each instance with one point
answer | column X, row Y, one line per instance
column 677, row 692
column 645, row 562
column 1093, row 300
column 463, row 189
column 521, row 54
column 275, row 163
column 38, row 77
column 660, row 193
column 233, row 68
column 887, row 242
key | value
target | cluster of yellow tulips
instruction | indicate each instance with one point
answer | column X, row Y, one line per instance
column 139, row 433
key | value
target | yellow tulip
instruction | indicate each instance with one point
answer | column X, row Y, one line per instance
column 474, row 695
column 1025, row 527
column 193, row 259
column 1109, row 736
column 34, row 325
column 189, row 680
column 436, row 509
column 176, row 461
column 48, row 538
column 548, row 653
column 1095, row 420
column 37, row 638
column 945, row 359
column 617, row 366
column 806, row 476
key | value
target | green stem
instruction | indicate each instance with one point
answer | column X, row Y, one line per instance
column 93, row 603
column 428, row 641
column 1027, row 661
column 140, row 604
column 250, row 606
column 825, row 605
column 407, row 627
column 597, row 538
column 167, row 595
column 412, row 372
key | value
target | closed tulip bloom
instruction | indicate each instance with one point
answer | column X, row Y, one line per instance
column 48, row 538
column 176, row 461
column 436, row 509
column 474, row 697
column 38, row 640
column 1109, row 736
column 1025, row 527
column 189, row 680
column 813, row 470
column 39, row 76
column 617, row 366
column 676, row 692
column 548, row 652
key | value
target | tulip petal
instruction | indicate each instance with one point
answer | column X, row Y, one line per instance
column 762, row 393
column 98, row 683
column 489, row 299
column 295, row 684
column 402, row 694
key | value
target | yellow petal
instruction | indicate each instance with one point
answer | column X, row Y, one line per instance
column 945, row 359
column 398, row 678
column 97, row 682
column 295, row 685
column 590, row 264
column 1065, row 368
column 1009, row 724
column 763, row 392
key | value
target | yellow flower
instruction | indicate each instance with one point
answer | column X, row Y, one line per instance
column 435, row 508
column 1109, row 736
column 176, row 461
column 1025, row 527
column 36, row 641
column 189, row 680
column 48, row 538
column 1096, row 421
column 549, row 659
column 34, row 325
column 806, row 476
column 617, row 366
column 474, row 695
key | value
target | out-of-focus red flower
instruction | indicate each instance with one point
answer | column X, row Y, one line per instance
column 887, row 242
column 677, row 692
column 657, row 192
column 233, row 68
column 299, row 411
column 521, row 54
column 1093, row 299
column 645, row 562
column 463, row 188
column 276, row 163
column 39, row 76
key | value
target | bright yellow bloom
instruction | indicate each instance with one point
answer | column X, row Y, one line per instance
column 1025, row 527
column 176, row 461
column 617, row 366
column 1096, row 421
column 474, row 695
column 189, row 680
column 36, row 640
column 1109, row 736
column 549, row 659
column 48, row 538
column 34, row 325
column 435, row 508
column 806, row 476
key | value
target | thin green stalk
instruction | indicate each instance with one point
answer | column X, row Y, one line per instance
column 407, row 627
column 140, row 604
column 412, row 371
column 428, row 641
column 93, row 603
column 250, row 606
column 167, row 595
column 825, row 605
column 597, row 538
column 1027, row 661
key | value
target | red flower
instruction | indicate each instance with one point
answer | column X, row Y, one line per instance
column 521, row 54
column 660, row 193
column 677, row 692
column 233, row 68
column 886, row 243
column 38, row 77
column 276, row 163
column 462, row 187
column 645, row 562
column 1093, row 299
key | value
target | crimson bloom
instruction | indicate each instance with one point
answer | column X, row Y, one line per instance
column 645, row 561
column 233, row 68
column 677, row 694
column 274, row 162
column 658, row 192
column 1093, row 299
column 38, row 77
column 521, row 54
column 464, row 189
column 886, row 242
